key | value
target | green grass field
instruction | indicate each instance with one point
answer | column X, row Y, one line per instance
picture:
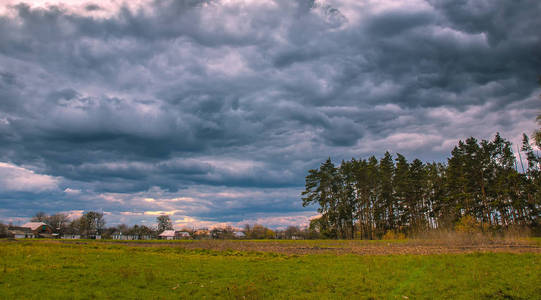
column 97, row 270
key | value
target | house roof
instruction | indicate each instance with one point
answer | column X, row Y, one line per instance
column 168, row 233
column 19, row 228
column 34, row 225
column 18, row 231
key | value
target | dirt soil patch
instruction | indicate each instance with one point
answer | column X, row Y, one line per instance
column 422, row 247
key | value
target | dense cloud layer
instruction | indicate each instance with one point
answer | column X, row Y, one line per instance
column 190, row 102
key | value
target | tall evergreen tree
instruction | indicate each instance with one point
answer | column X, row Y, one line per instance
column 321, row 188
column 386, row 211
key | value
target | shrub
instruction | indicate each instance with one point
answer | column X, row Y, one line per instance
column 392, row 235
column 467, row 224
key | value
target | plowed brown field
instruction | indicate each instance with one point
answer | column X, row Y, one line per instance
column 421, row 247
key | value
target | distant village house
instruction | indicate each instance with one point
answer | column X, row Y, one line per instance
column 167, row 235
column 239, row 234
column 31, row 230
column 174, row 235
column 129, row 237
column 71, row 236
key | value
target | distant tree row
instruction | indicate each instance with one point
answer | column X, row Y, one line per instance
column 92, row 224
column 89, row 224
column 368, row 198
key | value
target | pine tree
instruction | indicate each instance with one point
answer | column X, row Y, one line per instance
column 322, row 188
column 386, row 211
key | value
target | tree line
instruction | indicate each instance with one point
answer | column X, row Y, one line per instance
column 481, row 182
column 91, row 224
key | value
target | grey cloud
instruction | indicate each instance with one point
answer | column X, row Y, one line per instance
column 397, row 22
column 503, row 21
column 144, row 98
column 343, row 132
column 92, row 7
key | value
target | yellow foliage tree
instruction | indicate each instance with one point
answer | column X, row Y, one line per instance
column 467, row 224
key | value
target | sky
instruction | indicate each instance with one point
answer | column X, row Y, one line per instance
column 214, row 111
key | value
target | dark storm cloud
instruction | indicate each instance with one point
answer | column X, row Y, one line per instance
column 92, row 7
column 177, row 94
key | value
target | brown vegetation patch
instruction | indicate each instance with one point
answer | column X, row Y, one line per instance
column 419, row 247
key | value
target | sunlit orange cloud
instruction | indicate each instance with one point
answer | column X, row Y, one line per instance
column 162, row 212
column 74, row 214
column 181, row 199
column 278, row 222
column 282, row 222
column 112, row 198
column 71, row 191
column 129, row 213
